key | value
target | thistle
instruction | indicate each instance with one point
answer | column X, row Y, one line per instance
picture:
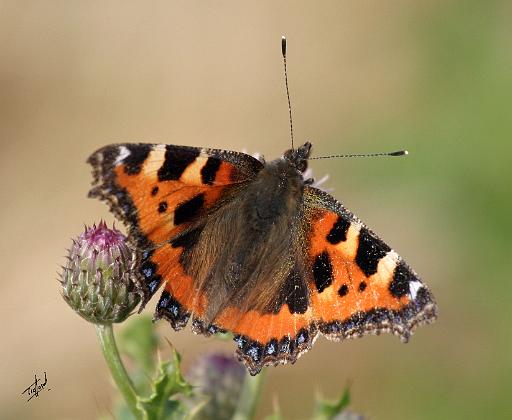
column 218, row 379
column 97, row 279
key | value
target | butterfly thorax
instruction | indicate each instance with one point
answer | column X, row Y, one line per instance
column 274, row 194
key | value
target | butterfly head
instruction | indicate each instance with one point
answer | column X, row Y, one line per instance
column 299, row 157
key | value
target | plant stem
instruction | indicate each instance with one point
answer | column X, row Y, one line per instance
column 249, row 397
column 115, row 364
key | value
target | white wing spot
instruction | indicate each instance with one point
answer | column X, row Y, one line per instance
column 123, row 154
column 414, row 286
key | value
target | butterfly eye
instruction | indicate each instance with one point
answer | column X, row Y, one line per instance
column 288, row 154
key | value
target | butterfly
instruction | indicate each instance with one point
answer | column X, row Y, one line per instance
column 253, row 248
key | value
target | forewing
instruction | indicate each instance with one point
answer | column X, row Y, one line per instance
column 162, row 193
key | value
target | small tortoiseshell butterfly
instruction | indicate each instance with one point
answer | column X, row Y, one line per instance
column 251, row 247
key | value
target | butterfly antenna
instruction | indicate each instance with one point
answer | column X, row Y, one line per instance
column 283, row 50
column 397, row 153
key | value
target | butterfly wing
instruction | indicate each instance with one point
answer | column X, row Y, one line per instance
column 161, row 192
column 358, row 284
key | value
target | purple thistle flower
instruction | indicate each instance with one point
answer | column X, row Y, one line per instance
column 218, row 379
column 97, row 280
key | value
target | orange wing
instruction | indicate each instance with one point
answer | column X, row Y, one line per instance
column 160, row 192
column 359, row 285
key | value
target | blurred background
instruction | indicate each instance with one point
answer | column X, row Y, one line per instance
column 431, row 77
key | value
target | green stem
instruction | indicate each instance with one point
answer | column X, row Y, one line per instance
column 121, row 378
column 249, row 397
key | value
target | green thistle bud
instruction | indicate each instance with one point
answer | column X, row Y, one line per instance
column 218, row 379
column 97, row 281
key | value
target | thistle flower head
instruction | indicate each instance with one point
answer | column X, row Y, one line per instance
column 218, row 378
column 97, row 280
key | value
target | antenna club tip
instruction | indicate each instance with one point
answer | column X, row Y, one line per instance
column 283, row 45
column 399, row 153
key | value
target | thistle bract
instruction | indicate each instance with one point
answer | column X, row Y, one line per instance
column 97, row 280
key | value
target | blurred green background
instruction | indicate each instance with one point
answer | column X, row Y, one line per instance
column 432, row 77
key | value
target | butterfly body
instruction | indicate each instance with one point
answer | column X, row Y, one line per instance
column 253, row 248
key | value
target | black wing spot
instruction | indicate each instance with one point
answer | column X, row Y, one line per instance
column 362, row 286
column 209, row 170
column 401, row 278
column 369, row 252
column 138, row 154
column 187, row 240
column 294, row 293
column 162, row 207
column 343, row 290
column 177, row 159
column 154, row 191
column 189, row 209
column 322, row 271
column 338, row 233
